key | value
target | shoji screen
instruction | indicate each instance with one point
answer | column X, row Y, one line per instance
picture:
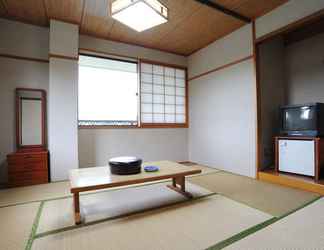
column 163, row 94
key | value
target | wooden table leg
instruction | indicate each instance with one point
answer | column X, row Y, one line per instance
column 182, row 186
column 76, row 203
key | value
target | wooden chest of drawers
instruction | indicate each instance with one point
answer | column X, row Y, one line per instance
column 27, row 168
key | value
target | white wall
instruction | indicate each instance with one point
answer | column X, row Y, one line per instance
column 304, row 66
column 63, row 100
column 64, row 39
column 97, row 146
column 23, row 39
column 287, row 13
column 222, row 131
column 230, row 48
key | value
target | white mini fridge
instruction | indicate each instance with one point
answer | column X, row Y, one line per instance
column 297, row 156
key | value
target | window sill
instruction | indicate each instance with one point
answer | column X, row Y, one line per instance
column 107, row 126
column 146, row 125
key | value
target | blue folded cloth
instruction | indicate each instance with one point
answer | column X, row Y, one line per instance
column 151, row 168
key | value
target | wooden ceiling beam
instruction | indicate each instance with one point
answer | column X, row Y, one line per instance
column 226, row 11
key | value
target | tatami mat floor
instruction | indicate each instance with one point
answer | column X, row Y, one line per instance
column 186, row 226
column 303, row 229
column 270, row 198
column 22, row 211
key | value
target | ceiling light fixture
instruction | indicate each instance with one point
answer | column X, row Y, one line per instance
column 139, row 15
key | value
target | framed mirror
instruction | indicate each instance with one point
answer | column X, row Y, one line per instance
column 30, row 118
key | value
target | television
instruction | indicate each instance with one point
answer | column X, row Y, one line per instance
column 302, row 120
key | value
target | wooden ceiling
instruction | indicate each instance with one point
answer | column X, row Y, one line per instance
column 191, row 25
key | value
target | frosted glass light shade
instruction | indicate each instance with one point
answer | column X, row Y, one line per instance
column 139, row 15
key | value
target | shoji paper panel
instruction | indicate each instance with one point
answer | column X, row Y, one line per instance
column 163, row 94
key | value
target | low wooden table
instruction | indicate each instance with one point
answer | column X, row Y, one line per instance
column 89, row 179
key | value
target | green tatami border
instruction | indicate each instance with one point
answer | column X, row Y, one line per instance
column 258, row 227
column 34, row 226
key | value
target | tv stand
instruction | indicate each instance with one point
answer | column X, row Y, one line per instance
column 300, row 155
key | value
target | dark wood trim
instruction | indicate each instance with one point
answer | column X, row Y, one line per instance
column 31, row 89
column 320, row 154
column 17, row 121
column 221, row 67
column 24, row 58
column 139, row 89
column 74, row 58
column 225, row 10
column 187, row 99
column 317, row 158
column 276, row 155
column 292, row 26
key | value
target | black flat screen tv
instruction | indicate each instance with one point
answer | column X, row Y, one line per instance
column 302, row 120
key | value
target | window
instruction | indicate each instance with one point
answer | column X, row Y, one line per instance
column 112, row 92
column 107, row 91
column 163, row 95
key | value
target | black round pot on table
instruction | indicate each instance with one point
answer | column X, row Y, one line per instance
column 125, row 165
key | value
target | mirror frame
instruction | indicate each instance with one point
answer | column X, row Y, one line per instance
column 18, row 120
